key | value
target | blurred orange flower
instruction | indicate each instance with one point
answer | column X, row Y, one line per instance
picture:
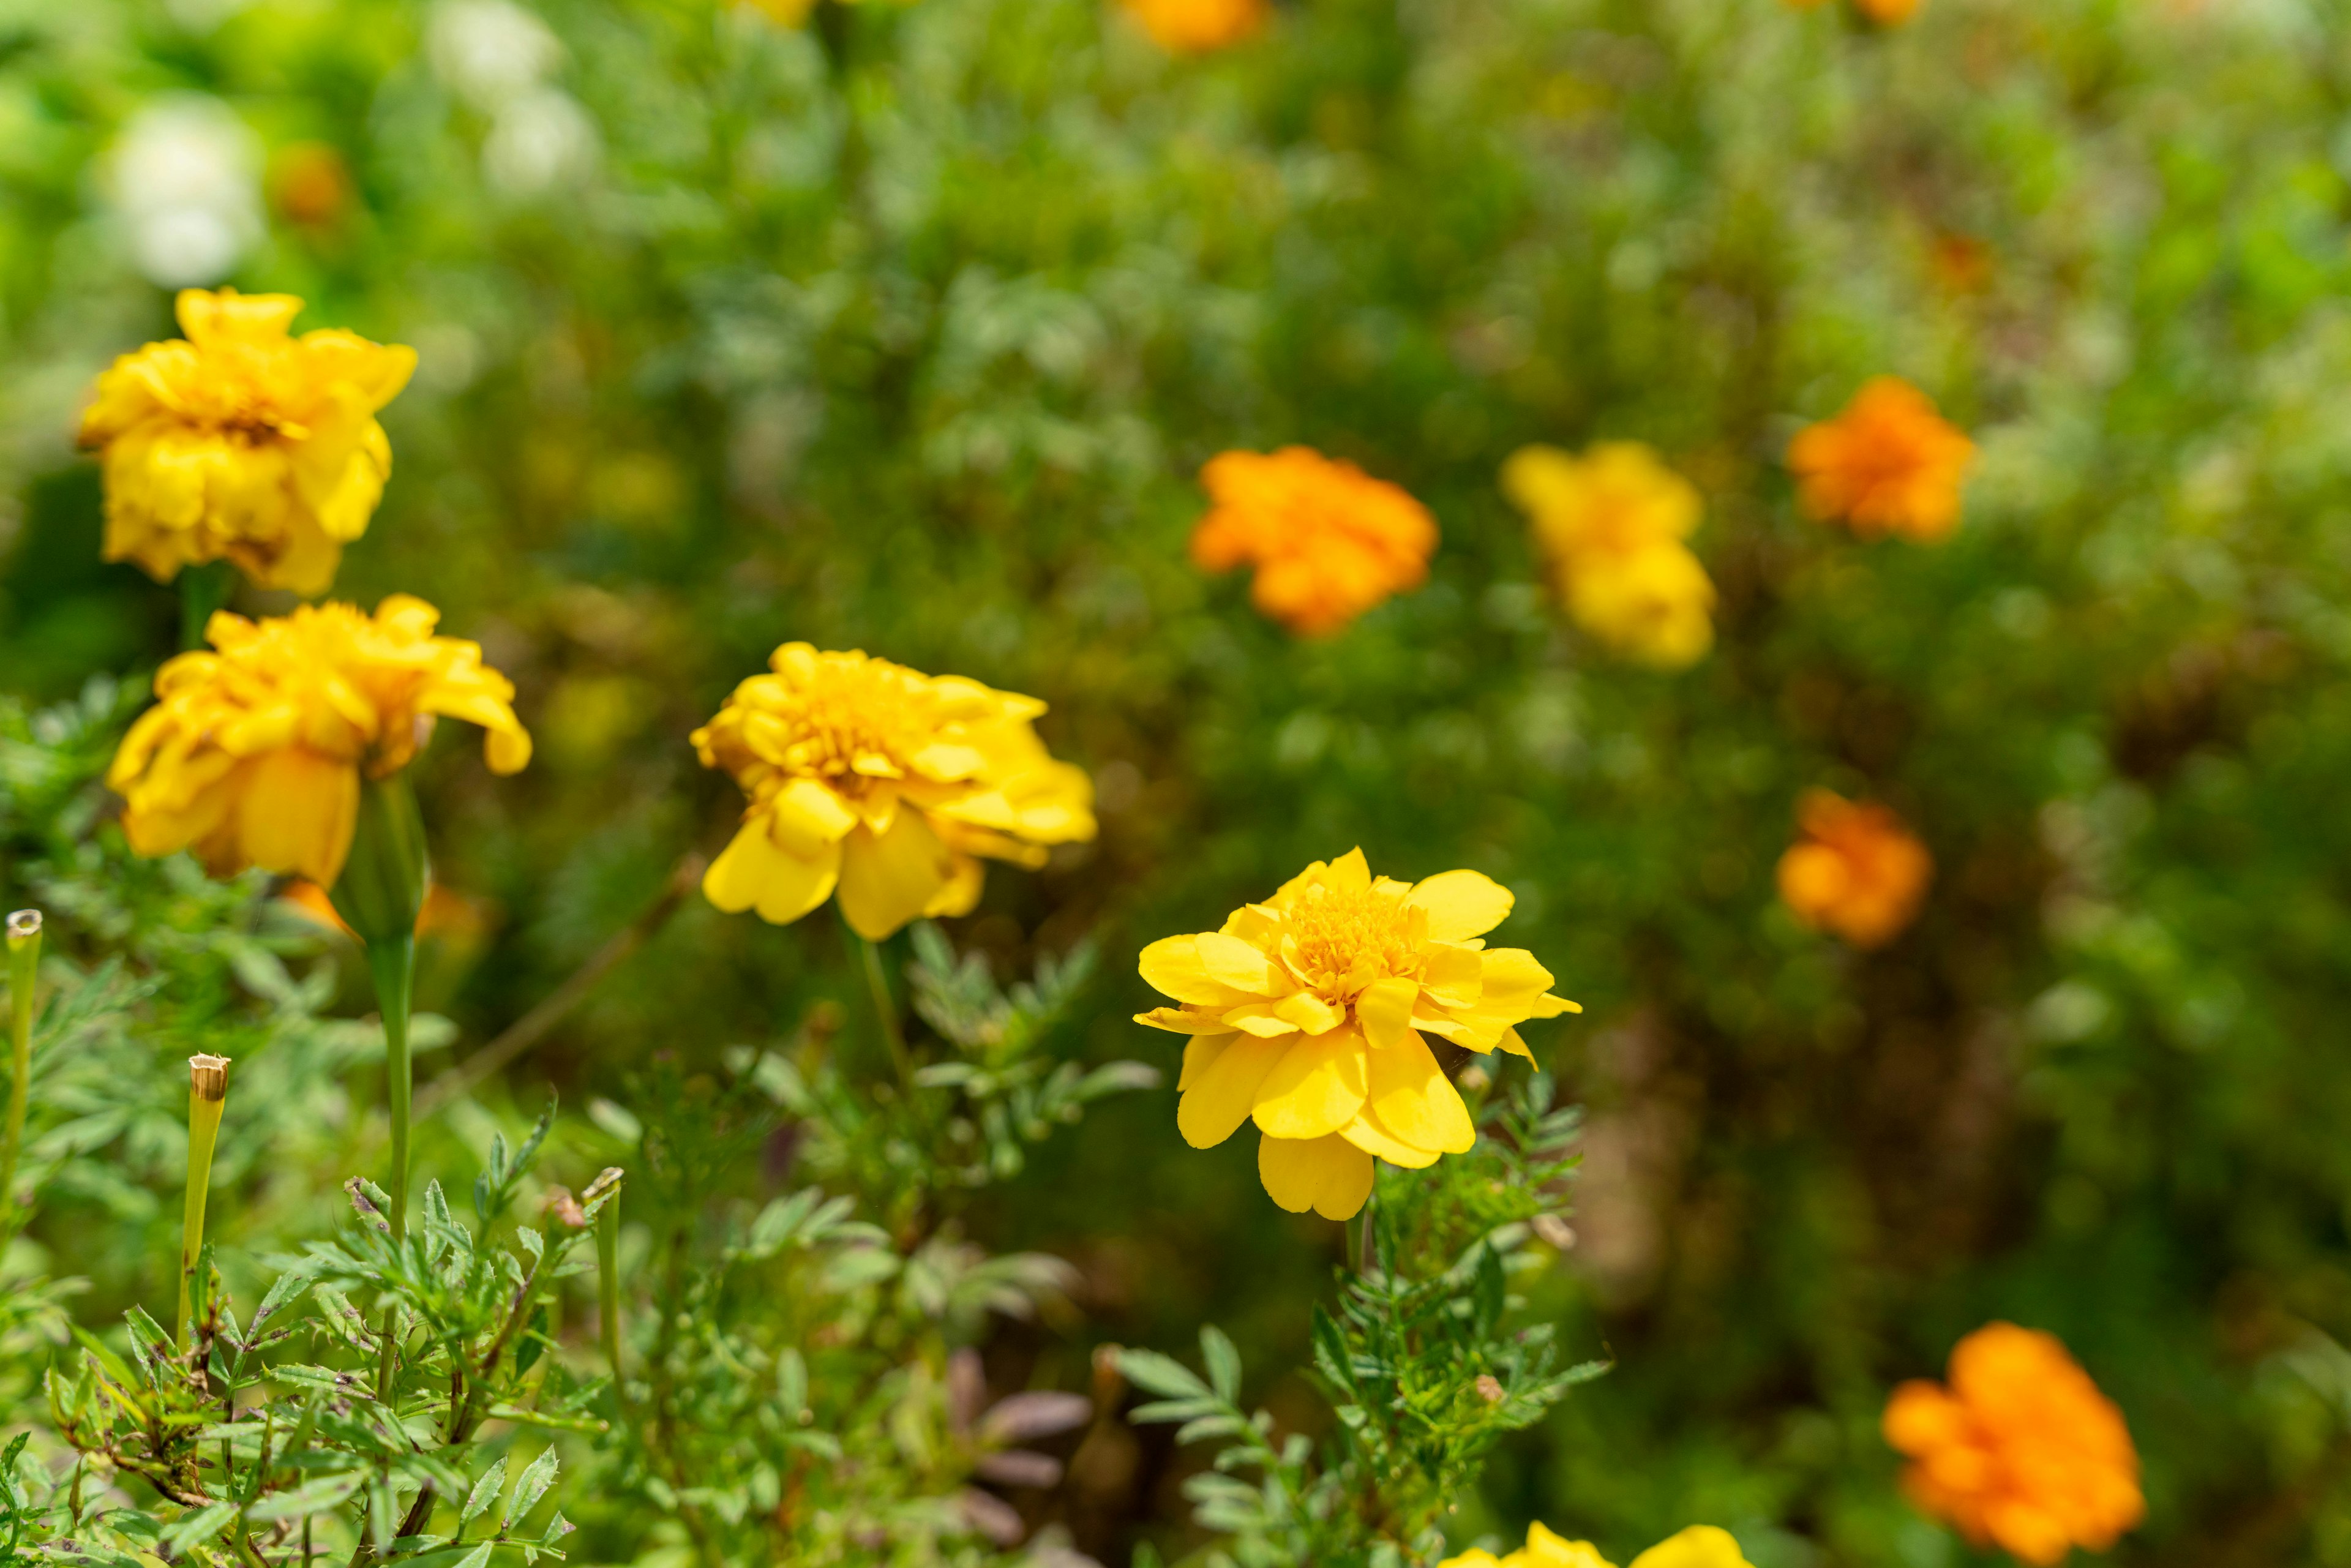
column 444, row 910
column 1888, row 464
column 2021, row 1450
column 311, row 185
column 1328, row 541
column 1196, row 27
column 1610, row 524
column 1856, row 871
column 1889, row 13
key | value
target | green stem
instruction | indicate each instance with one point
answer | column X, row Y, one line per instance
column 207, row 1094
column 24, row 976
column 608, row 1289
column 393, row 963
column 886, row 1010
column 203, row 590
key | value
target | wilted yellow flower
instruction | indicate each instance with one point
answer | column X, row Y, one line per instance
column 1306, row 1014
column 1699, row 1546
column 1889, row 463
column 1610, row 524
column 883, row 783
column 242, row 443
column 1328, row 541
column 2021, row 1450
column 1196, row 27
column 253, row 753
column 1856, row 871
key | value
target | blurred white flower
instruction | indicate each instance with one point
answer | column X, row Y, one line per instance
column 185, row 177
column 489, row 50
column 538, row 140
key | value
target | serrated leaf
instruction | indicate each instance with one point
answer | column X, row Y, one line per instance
column 202, row 1525
column 536, row 1478
column 484, row 1493
column 311, row 1496
column 289, row 1285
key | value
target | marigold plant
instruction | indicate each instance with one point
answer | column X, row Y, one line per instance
column 1610, row 525
column 1699, row 1546
column 1328, row 541
column 1196, row 27
column 254, row 751
column 1307, row 1013
column 883, row 784
column 1889, row 463
column 2021, row 1450
column 241, row 442
column 1856, row 870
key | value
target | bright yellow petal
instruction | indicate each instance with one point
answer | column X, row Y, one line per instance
column 1310, row 1012
column 1699, row 1546
column 754, row 872
column 1367, row 1133
column 807, row 816
column 1545, row 1549
column 1315, row 1088
column 1461, row 905
column 1223, row 1089
column 1259, row 1019
column 1512, row 973
column 1385, row 1010
column 887, row 879
column 1230, row 961
column 1199, row 1051
column 1172, row 966
column 296, row 812
column 1329, row 1176
column 1178, row 1020
column 1349, row 873
column 1411, row 1096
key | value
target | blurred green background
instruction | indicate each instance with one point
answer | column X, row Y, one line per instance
column 909, row 331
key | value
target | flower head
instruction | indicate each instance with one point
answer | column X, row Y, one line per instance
column 1610, row 524
column 1196, row 26
column 1856, row 870
column 1328, row 541
column 1699, row 1546
column 1888, row 464
column 2021, row 1450
column 252, row 752
column 883, row 784
column 1307, row 1013
column 240, row 442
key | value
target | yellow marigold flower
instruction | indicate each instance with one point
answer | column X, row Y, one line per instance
column 1856, row 870
column 1196, row 26
column 1699, row 1546
column 1888, row 464
column 240, row 442
column 1306, row 1014
column 1328, row 541
column 1610, row 524
column 252, row 752
column 2021, row 1450
column 885, row 784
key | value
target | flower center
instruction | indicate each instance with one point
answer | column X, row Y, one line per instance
column 853, row 724
column 1341, row 942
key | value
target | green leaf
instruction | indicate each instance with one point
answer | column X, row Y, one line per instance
column 1224, row 1363
column 311, row 1496
column 202, row 1525
column 1162, row 1374
column 484, row 1493
column 536, row 1478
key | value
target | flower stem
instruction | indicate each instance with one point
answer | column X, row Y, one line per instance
column 886, row 1010
column 24, row 977
column 1367, row 1255
column 608, row 1291
column 393, row 963
column 203, row 590
column 207, row 1095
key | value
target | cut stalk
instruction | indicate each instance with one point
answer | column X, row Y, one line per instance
column 207, row 1095
column 24, row 979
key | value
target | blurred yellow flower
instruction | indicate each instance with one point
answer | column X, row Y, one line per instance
column 881, row 783
column 1699, row 1546
column 1328, row 541
column 252, row 752
column 240, row 442
column 2022, row 1450
column 1306, row 1014
column 1856, row 870
column 1888, row 464
column 1610, row 524
column 1196, row 27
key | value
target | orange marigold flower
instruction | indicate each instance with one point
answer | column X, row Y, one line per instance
column 1328, row 541
column 1612, row 523
column 1196, row 27
column 2021, row 1450
column 1889, row 13
column 1888, row 464
column 1856, row 871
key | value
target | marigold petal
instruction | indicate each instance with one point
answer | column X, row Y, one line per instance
column 1224, row 1090
column 1258, row 1019
column 1699, row 1546
column 1199, row 1051
column 1232, row 962
column 1315, row 1088
column 754, row 871
column 1411, row 1094
column 1181, row 1021
column 1383, row 1008
column 296, row 813
column 1328, row 1174
column 807, row 815
column 1546, row 1548
column 887, row 879
column 1172, row 966
column 1310, row 1012
column 1367, row 1133
column 1350, row 873
column 1461, row 903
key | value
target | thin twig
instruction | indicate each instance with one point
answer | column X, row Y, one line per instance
column 526, row 1031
